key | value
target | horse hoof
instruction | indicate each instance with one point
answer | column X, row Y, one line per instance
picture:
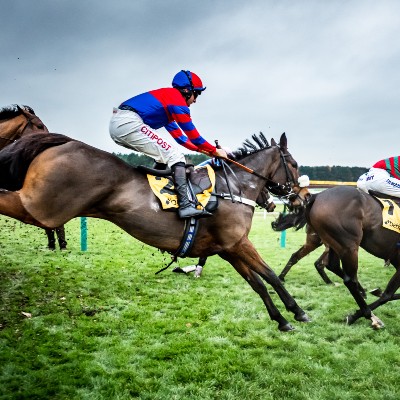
column 376, row 323
column 376, row 292
column 286, row 328
column 303, row 318
column 349, row 320
column 198, row 271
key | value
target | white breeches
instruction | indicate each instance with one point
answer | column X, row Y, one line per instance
column 128, row 129
column 379, row 180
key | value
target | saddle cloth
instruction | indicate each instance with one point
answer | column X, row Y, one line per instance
column 390, row 214
column 202, row 180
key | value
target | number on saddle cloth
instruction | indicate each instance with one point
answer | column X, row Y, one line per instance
column 390, row 210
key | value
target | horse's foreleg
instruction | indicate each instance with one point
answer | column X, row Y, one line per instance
column 258, row 286
column 61, row 237
column 199, row 267
column 51, row 239
column 312, row 243
column 294, row 259
column 250, row 257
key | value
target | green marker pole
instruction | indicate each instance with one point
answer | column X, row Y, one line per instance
column 283, row 233
column 83, row 234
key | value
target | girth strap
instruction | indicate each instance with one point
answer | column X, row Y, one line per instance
column 187, row 241
column 234, row 198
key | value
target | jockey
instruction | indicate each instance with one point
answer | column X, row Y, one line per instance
column 134, row 123
column 383, row 177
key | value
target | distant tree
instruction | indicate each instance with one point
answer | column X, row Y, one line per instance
column 140, row 159
column 318, row 173
column 136, row 159
column 335, row 173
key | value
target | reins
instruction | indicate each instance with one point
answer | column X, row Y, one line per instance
column 271, row 185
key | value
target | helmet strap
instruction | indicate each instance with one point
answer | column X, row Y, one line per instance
column 186, row 93
column 187, row 73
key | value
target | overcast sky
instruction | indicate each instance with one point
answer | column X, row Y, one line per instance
column 325, row 72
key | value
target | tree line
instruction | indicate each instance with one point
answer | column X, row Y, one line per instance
column 320, row 173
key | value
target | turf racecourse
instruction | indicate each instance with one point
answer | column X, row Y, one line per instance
column 102, row 325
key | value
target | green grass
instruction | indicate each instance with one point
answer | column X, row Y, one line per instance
column 104, row 326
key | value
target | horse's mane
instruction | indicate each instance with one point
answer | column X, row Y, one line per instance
column 16, row 157
column 249, row 147
column 14, row 110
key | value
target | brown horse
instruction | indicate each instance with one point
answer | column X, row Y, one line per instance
column 17, row 121
column 67, row 178
column 346, row 219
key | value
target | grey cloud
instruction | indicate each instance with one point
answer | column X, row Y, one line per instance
column 326, row 73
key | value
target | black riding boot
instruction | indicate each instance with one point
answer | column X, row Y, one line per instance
column 186, row 208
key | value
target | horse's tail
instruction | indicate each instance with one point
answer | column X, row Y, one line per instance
column 16, row 158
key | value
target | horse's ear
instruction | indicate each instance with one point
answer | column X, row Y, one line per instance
column 273, row 143
column 283, row 141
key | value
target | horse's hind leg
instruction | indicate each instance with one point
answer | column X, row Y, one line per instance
column 349, row 259
column 332, row 263
column 245, row 251
column 321, row 263
column 258, row 286
column 389, row 294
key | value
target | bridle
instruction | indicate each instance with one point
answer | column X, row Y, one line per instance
column 278, row 189
column 291, row 190
column 284, row 191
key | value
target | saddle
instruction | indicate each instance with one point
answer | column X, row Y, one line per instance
column 201, row 183
column 390, row 210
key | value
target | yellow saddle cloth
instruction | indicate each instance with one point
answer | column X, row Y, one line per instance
column 163, row 188
column 390, row 215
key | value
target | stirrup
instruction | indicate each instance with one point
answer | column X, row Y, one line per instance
column 191, row 211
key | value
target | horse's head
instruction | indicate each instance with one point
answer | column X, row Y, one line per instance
column 294, row 187
column 33, row 123
column 16, row 121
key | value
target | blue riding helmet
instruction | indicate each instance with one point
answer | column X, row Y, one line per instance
column 188, row 80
